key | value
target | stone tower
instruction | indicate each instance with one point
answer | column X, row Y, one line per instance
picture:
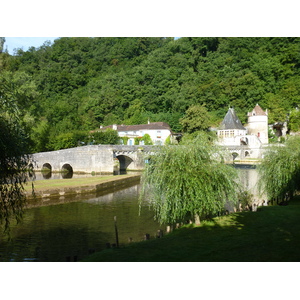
column 258, row 124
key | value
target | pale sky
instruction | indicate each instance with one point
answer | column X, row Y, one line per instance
column 12, row 43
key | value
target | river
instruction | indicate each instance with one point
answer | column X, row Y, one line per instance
column 71, row 230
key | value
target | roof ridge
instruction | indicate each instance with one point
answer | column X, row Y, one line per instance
column 154, row 125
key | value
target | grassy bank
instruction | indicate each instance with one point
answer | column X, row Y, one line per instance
column 40, row 185
column 270, row 234
column 59, row 187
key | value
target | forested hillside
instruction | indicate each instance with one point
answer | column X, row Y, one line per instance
column 77, row 84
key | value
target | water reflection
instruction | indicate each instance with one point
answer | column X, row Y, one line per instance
column 67, row 175
column 50, row 175
column 46, row 174
column 249, row 177
column 63, row 231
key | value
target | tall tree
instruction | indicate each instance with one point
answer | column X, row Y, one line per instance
column 196, row 119
column 15, row 167
column 188, row 181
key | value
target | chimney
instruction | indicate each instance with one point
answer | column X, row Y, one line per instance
column 115, row 127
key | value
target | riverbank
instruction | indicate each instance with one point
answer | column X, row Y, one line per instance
column 56, row 188
column 272, row 234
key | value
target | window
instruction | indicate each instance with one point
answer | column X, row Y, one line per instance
column 158, row 134
column 227, row 133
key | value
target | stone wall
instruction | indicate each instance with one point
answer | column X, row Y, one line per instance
column 87, row 159
column 93, row 158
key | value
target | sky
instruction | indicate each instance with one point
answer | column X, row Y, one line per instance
column 215, row 18
column 25, row 43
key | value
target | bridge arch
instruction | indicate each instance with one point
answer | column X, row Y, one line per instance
column 67, row 171
column 46, row 171
column 235, row 155
column 125, row 161
column 47, row 167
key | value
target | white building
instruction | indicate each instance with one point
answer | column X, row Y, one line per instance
column 231, row 129
column 258, row 124
column 158, row 132
column 246, row 142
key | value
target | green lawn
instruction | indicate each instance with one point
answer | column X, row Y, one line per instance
column 270, row 234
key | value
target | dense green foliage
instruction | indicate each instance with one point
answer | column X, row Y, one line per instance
column 14, row 171
column 79, row 138
column 294, row 120
column 188, row 181
column 15, row 167
column 280, row 170
column 80, row 83
column 109, row 136
column 196, row 119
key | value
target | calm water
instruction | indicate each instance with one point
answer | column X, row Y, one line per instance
column 60, row 231
column 51, row 175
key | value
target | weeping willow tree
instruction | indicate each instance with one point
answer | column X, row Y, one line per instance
column 280, row 171
column 188, row 181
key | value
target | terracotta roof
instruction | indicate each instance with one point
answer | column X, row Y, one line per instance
column 153, row 126
column 231, row 121
column 257, row 111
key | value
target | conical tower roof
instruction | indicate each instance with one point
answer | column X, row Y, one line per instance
column 231, row 121
column 258, row 111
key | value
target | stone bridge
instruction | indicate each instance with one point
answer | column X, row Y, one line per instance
column 109, row 159
column 103, row 159
column 244, row 153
